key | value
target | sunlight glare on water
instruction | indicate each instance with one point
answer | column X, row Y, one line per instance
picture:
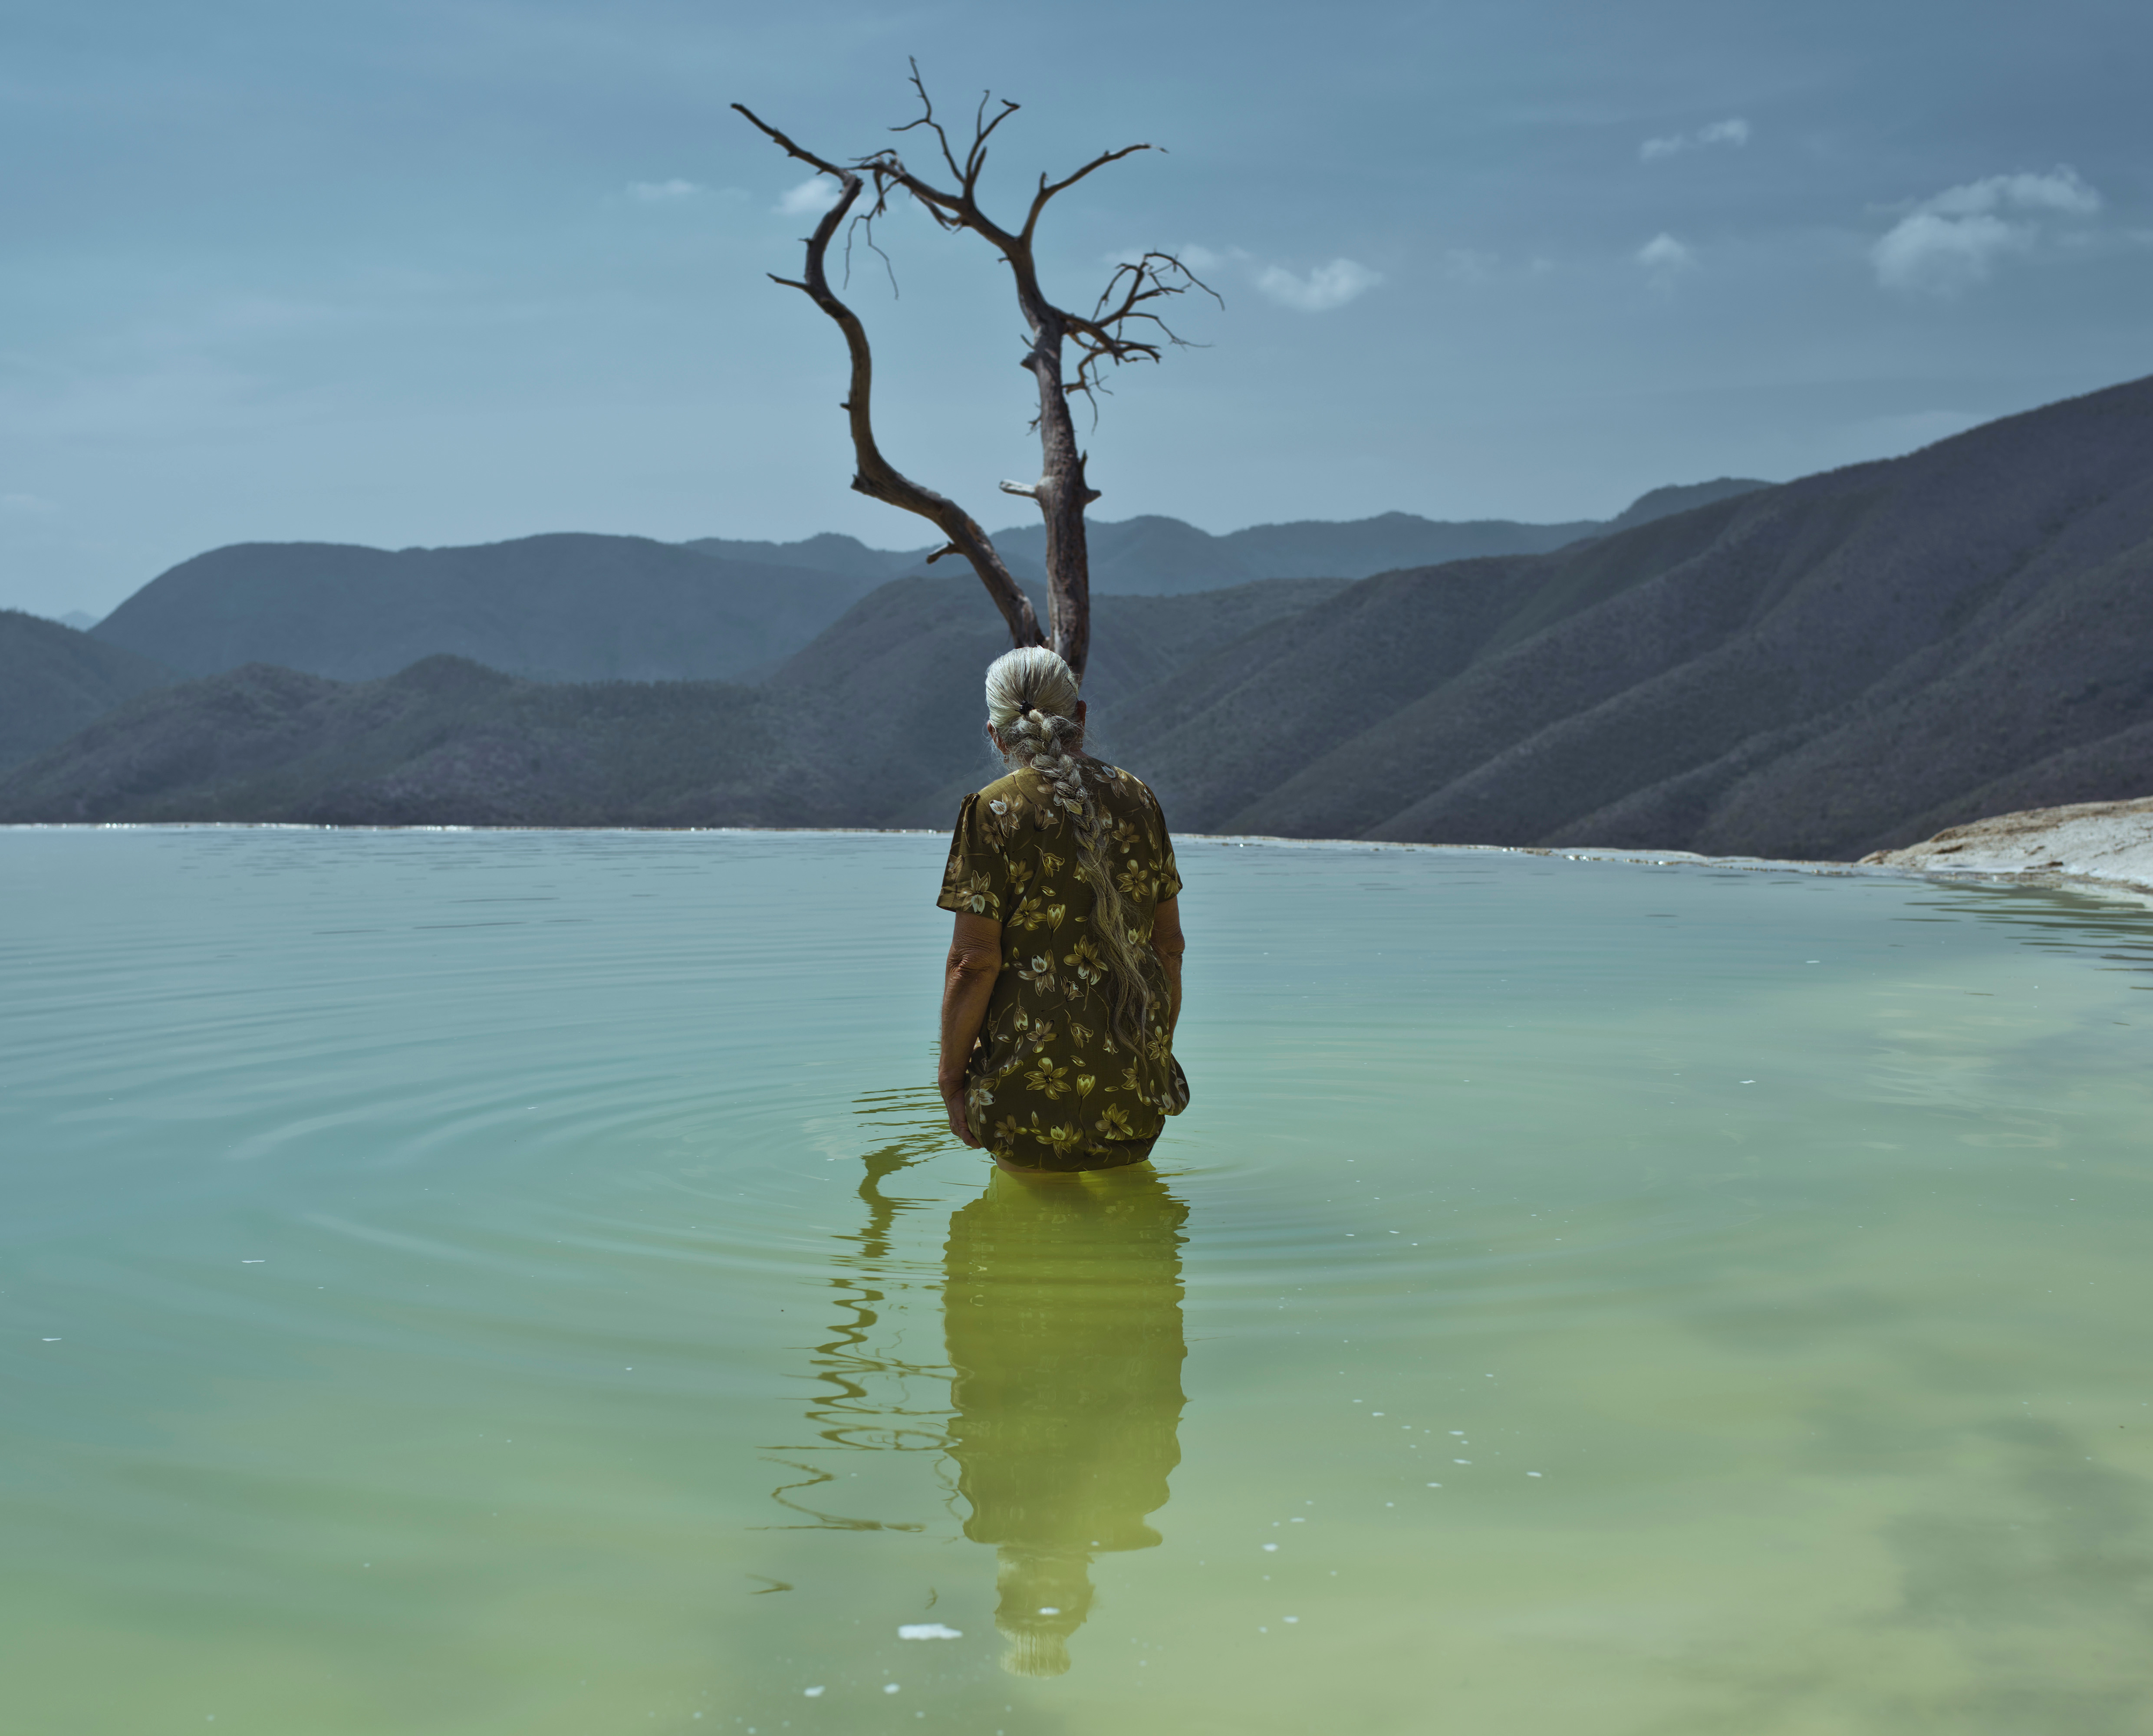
column 519, row 1283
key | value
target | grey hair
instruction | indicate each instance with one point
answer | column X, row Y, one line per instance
column 1031, row 705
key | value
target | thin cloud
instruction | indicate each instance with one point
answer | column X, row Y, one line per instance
column 1316, row 291
column 1326, row 287
column 810, row 198
column 657, row 192
column 1953, row 240
column 1198, row 258
column 1733, row 131
column 1665, row 257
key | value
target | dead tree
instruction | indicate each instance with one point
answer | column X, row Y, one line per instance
column 1122, row 326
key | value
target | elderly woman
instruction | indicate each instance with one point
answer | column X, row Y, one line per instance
column 1064, row 979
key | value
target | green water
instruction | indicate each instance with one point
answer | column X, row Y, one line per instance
column 514, row 1283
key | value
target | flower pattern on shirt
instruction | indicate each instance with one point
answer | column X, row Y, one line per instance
column 1046, row 1085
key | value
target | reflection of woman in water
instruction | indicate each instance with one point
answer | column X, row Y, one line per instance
column 1064, row 979
column 1062, row 1309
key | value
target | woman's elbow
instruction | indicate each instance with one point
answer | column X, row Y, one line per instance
column 967, row 966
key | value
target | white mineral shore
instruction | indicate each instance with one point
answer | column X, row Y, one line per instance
column 2103, row 847
column 2110, row 843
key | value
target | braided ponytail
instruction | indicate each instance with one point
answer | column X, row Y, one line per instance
column 1031, row 698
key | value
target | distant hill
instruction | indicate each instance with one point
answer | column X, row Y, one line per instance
column 1666, row 502
column 1162, row 556
column 54, row 681
column 577, row 608
column 826, row 552
column 559, row 608
column 904, row 669
column 444, row 742
column 449, row 741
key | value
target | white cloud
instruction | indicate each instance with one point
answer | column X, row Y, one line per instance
column 1733, row 131
column 1326, row 287
column 656, row 193
column 1664, row 256
column 810, row 198
column 1317, row 292
column 2060, row 190
column 1198, row 258
column 1941, row 255
column 1952, row 240
column 27, row 505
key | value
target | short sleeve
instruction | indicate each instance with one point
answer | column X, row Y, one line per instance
column 1170, row 876
column 977, row 880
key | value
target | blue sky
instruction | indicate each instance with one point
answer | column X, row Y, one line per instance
column 455, row 270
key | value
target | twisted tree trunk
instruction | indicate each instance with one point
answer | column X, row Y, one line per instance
column 874, row 474
column 1062, row 492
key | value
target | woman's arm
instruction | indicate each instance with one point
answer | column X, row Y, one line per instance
column 1167, row 941
column 975, row 960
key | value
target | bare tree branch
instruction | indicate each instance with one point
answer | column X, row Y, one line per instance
column 1048, row 190
column 874, row 474
column 1122, row 326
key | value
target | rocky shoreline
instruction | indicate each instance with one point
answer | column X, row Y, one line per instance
column 2093, row 846
column 2099, row 843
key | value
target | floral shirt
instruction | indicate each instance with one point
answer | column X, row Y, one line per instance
column 1047, row 1085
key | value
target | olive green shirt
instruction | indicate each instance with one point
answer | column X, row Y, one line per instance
column 1048, row 1086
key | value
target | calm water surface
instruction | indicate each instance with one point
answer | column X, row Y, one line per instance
column 516, row 1283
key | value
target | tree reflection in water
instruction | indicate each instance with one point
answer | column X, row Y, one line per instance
column 1061, row 1307
column 872, row 1399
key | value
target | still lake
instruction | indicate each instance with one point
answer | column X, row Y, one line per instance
column 463, row 1282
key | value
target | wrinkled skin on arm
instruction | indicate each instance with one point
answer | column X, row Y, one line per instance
column 968, row 984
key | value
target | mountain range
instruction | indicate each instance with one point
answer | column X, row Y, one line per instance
column 448, row 741
column 1163, row 556
column 561, row 608
column 580, row 607
column 1820, row 669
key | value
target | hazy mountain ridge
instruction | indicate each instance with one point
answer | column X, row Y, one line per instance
column 905, row 667
column 575, row 607
column 448, row 741
column 445, row 742
column 561, row 608
column 1677, row 498
column 1156, row 555
column 55, row 680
